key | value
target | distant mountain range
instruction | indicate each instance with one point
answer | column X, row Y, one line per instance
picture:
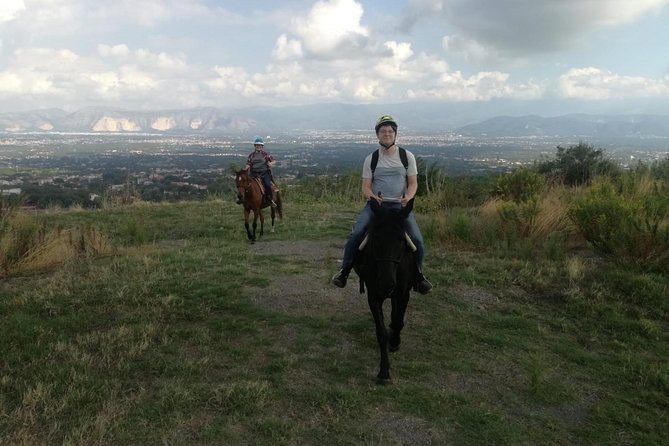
column 426, row 118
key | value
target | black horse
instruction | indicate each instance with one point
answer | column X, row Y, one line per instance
column 387, row 267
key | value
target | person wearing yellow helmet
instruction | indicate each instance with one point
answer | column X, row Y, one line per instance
column 390, row 177
column 259, row 164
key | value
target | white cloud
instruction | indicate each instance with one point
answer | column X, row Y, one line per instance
column 330, row 27
column 287, row 49
column 483, row 86
column 9, row 9
column 595, row 84
column 121, row 50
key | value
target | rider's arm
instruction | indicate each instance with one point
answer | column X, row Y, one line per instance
column 367, row 190
column 412, row 187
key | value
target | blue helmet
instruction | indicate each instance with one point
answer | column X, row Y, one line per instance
column 258, row 142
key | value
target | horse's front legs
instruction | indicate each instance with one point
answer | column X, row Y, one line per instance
column 376, row 307
column 262, row 222
column 399, row 308
column 251, row 235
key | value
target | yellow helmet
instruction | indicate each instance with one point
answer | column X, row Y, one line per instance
column 385, row 120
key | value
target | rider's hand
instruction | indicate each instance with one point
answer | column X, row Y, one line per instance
column 378, row 198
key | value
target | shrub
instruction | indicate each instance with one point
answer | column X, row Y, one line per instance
column 521, row 185
column 578, row 165
column 627, row 221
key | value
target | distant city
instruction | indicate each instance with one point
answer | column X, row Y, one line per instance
column 80, row 167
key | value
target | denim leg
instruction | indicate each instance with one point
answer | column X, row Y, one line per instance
column 267, row 182
column 355, row 237
column 417, row 238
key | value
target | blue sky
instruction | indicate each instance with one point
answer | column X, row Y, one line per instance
column 160, row 54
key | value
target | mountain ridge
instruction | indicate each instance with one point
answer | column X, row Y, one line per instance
column 423, row 118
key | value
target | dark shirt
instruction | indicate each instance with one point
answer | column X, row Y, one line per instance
column 257, row 161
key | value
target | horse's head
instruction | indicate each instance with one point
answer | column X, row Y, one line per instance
column 387, row 245
column 242, row 182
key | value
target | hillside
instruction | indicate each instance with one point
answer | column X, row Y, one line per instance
column 187, row 334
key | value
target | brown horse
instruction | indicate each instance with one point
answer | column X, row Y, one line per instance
column 250, row 195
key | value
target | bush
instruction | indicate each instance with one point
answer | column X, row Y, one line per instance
column 578, row 165
column 519, row 186
column 627, row 221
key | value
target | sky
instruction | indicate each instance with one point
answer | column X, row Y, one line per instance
column 173, row 54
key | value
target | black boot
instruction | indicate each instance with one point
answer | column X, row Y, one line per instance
column 339, row 279
column 423, row 286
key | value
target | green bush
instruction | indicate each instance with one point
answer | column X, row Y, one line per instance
column 519, row 186
column 519, row 218
column 627, row 221
column 578, row 165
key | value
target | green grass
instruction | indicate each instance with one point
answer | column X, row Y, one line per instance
column 189, row 335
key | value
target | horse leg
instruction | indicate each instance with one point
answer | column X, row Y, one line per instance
column 376, row 307
column 246, row 224
column 272, row 215
column 255, row 224
column 262, row 221
column 399, row 308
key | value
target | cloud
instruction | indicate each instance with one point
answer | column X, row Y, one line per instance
column 9, row 9
column 482, row 86
column 523, row 28
column 287, row 49
column 595, row 84
column 331, row 28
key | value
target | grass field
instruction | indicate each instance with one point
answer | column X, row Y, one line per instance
column 186, row 334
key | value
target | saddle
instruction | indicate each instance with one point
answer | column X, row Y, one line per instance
column 275, row 189
column 365, row 239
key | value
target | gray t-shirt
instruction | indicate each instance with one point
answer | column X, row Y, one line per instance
column 390, row 176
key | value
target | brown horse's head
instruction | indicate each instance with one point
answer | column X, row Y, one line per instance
column 242, row 181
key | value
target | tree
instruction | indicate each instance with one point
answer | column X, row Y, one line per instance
column 579, row 164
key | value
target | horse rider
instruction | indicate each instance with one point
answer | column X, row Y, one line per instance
column 392, row 180
column 259, row 164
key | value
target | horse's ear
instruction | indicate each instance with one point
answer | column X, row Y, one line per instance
column 406, row 210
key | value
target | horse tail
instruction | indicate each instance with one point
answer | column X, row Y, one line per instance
column 279, row 205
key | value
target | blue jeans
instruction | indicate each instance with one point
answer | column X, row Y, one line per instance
column 267, row 182
column 360, row 227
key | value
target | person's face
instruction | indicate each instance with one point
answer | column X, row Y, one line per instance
column 258, row 147
column 386, row 134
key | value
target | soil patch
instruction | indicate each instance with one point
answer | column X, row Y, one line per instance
column 309, row 293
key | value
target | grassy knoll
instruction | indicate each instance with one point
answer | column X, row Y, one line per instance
column 186, row 334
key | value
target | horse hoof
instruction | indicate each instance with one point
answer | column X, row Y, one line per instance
column 383, row 381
